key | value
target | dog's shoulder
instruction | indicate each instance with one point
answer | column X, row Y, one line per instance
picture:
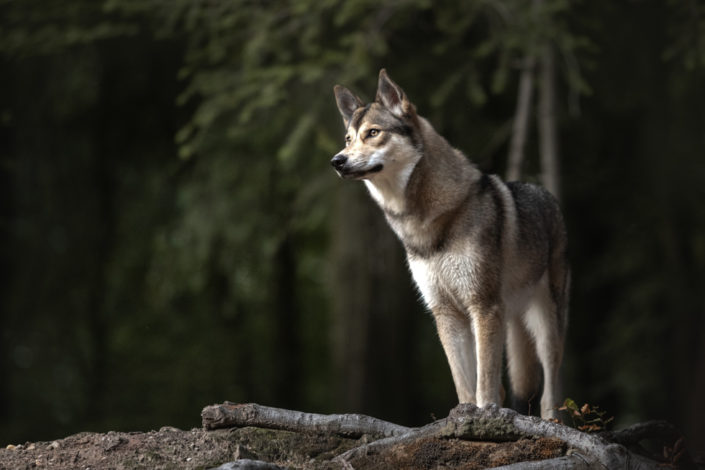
column 538, row 212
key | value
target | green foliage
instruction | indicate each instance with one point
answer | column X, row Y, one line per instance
column 688, row 34
column 34, row 27
column 586, row 418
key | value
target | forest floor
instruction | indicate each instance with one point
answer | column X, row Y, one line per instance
column 252, row 436
column 171, row 448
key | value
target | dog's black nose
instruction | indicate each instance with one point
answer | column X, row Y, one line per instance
column 339, row 161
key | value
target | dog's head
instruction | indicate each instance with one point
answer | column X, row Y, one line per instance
column 380, row 137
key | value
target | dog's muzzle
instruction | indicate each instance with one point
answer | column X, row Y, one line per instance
column 339, row 162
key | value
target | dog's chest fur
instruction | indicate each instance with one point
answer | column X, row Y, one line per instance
column 462, row 247
column 446, row 278
column 454, row 245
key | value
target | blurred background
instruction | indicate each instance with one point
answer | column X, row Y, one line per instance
column 173, row 235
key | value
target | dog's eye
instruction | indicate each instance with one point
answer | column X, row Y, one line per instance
column 347, row 140
column 373, row 133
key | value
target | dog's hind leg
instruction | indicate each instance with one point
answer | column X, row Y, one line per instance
column 524, row 367
column 542, row 320
column 458, row 343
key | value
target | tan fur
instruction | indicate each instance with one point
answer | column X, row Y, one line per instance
column 487, row 257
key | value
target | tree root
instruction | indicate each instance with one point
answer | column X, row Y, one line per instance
column 251, row 414
column 466, row 421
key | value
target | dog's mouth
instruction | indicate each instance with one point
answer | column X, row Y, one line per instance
column 353, row 173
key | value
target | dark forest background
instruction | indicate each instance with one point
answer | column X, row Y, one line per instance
column 173, row 235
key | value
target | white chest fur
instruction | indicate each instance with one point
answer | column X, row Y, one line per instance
column 451, row 275
column 423, row 275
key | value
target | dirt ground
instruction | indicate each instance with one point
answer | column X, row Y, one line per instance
column 171, row 448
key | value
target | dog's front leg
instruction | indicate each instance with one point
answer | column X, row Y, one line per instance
column 489, row 328
column 455, row 332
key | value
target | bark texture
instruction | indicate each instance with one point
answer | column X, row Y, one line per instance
column 251, row 414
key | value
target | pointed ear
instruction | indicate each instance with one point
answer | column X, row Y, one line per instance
column 347, row 102
column 391, row 96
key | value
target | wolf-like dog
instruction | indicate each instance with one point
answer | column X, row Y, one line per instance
column 488, row 257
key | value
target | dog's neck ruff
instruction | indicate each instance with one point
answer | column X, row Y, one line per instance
column 388, row 188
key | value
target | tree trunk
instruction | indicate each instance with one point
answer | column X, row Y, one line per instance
column 352, row 295
column 521, row 119
column 373, row 302
column 548, row 135
column 289, row 374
